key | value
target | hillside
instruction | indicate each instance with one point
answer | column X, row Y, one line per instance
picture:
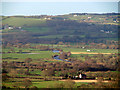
column 36, row 20
column 72, row 28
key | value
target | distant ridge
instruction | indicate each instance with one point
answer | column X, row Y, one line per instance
column 71, row 14
column 94, row 14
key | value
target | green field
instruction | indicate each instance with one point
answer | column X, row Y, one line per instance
column 21, row 21
column 28, row 57
column 45, row 84
column 38, row 55
column 92, row 50
column 37, row 29
column 42, row 54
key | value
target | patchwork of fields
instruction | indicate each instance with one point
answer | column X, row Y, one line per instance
column 85, row 45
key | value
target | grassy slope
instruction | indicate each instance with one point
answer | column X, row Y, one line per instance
column 35, row 23
column 20, row 21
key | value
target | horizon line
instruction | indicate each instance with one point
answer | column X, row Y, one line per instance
column 62, row 14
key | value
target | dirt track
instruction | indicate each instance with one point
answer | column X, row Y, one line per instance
column 89, row 81
column 88, row 53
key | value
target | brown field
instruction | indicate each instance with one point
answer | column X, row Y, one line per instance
column 88, row 53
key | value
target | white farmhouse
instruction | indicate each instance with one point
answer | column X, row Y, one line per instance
column 19, row 27
column 75, row 15
column 10, row 28
column 80, row 76
column 88, row 50
column 89, row 17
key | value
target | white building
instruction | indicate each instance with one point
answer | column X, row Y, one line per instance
column 75, row 15
column 89, row 17
column 88, row 50
column 10, row 28
column 80, row 76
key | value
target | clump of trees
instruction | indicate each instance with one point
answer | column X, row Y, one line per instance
column 91, row 63
column 64, row 55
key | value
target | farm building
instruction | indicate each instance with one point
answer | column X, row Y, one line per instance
column 88, row 50
column 79, row 76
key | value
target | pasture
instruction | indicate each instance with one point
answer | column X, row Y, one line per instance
column 21, row 21
column 38, row 55
column 91, row 50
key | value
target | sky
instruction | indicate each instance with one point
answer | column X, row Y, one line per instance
column 10, row 7
column 60, row 0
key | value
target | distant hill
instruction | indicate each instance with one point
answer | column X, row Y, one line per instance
column 75, row 27
column 108, row 18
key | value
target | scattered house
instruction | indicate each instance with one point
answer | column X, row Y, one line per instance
column 19, row 27
column 89, row 17
column 107, row 32
column 75, row 15
column 76, row 76
column 115, row 21
column 102, row 30
column 82, row 76
column 6, row 26
column 118, row 21
column 47, row 18
column 79, row 76
column 10, row 28
column 64, row 19
column 88, row 50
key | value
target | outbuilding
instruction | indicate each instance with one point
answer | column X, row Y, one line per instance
column 88, row 50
